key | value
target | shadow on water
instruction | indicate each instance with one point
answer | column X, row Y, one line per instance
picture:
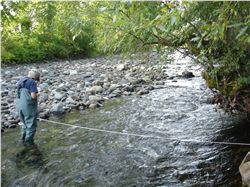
column 238, row 132
column 29, row 156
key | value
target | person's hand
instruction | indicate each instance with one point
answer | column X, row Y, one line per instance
column 34, row 95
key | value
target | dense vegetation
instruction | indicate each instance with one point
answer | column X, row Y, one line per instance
column 216, row 33
column 44, row 30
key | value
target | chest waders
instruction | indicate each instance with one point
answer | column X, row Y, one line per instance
column 28, row 111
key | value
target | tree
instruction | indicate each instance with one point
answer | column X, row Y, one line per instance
column 34, row 31
column 217, row 33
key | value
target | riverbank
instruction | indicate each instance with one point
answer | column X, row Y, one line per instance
column 81, row 84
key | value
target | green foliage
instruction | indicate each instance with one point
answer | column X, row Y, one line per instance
column 33, row 31
column 225, row 43
column 216, row 32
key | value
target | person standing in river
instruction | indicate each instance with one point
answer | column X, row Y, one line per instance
column 27, row 106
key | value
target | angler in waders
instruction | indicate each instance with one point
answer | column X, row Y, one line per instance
column 27, row 107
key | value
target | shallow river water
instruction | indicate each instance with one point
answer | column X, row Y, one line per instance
column 71, row 156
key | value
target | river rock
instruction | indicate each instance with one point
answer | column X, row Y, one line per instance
column 57, row 109
column 187, row 74
column 3, row 103
column 87, row 75
column 147, row 79
column 93, row 105
column 94, row 89
column 113, row 87
column 142, row 92
column 43, row 86
column 11, row 126
column 132, row 80
column 72, row 72
column 44, row 115
column 98, row 83
column 72, row 106
column 58, row 95
column 69, row 100
column 159, row 83
column 125, row 93
column 43, row 97
column 121, row 67
column 93, row 99
column 4, row 108
column 129, row 88
column 5, row 111
column 115, row 93
column 13, row 121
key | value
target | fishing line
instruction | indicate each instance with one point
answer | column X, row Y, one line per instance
column 145, row 136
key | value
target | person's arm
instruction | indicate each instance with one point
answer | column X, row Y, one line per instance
column 33, row 90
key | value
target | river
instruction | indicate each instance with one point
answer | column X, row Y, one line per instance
column 71, row 156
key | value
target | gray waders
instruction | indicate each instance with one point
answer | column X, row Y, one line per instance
column 28, row 111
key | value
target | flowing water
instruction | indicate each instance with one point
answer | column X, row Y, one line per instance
column 71, row 156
